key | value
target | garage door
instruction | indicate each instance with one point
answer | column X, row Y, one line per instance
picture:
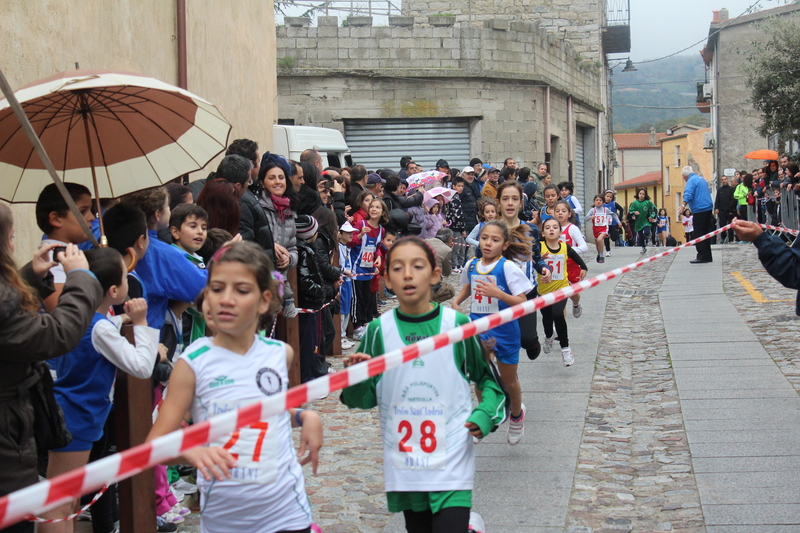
column 580, row 174
column 381, row 143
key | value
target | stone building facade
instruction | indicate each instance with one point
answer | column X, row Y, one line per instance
column 576, row 21
column 500, row 79
column 734, row 122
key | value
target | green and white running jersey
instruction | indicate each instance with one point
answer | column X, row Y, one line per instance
column 425, row 403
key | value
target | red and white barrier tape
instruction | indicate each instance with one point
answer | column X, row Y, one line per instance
column 73, row 515
column 52, row 492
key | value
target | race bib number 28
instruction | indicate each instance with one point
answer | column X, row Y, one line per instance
column 418, row 436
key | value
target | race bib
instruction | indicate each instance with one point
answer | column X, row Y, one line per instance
column 255, row 449
column 482, row 304
column 368, row 256
column 601, row 220
column 418, row 436
column 557, row 264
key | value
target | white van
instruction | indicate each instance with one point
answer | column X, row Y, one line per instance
column 290, row 141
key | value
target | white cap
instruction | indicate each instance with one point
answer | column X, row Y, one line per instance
column 468, row 169
column 347, row 227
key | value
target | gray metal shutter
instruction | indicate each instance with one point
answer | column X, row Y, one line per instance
column 580, row 176
column 380, row 143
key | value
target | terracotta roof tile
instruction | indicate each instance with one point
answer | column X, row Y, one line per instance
column 651, row 178
column 636, row 140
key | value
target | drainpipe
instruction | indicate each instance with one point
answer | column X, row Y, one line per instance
column 181, row 9
column 547, row 146
column 570, row 139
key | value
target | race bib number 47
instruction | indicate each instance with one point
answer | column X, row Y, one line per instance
column 418, row 436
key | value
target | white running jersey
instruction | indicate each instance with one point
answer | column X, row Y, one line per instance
column 424, row 406
column 267, row 491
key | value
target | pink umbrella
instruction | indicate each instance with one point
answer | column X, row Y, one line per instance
column 444, row 192
column 424, row 178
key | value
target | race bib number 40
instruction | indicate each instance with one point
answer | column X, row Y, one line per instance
column 255, row 449
column 368, row 256
column 482, row 304
column 418, row 436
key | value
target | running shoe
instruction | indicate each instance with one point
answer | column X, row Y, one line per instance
column 601, row 259
column 164, row 526
column 534, row 352
column 172, row 518
column 390, row 296
column 608, row 253
column 359, row 332
column 566, row 356
column 347, row 344
column 548, row 344
column 456, row 271
column 644, row 250
column 179, row 509
column 516, row 428
column 577, row 310
column 185, row 487
column 476, row 523
column 178, row 494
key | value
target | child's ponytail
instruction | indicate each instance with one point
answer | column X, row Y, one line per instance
column 519, row 242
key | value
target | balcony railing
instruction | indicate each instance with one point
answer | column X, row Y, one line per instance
column 618, row 12
column 617, row 26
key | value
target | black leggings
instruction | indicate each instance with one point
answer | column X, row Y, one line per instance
column 365, row 302
column 527, row 326
column 555, row 314
column 448, row 520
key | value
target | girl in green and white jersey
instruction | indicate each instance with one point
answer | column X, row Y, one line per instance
column 427, row 418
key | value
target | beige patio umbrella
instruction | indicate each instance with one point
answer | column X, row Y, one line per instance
column 114, row 132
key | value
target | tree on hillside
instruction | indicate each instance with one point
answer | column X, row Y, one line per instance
column 772, row 76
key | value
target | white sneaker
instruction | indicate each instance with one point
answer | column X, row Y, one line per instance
column 346, row 344
column 179, row 509
column 178, row 494
column 566, row 356
column 172, row 518
column 359, row 332
column 184, row 486
column 516, row 429
column 548, row 344
column 577, row 310
column 608, row 254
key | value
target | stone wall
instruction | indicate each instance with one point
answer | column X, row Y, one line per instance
column 43, row 37
column 577, row 21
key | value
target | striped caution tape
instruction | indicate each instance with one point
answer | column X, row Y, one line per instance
column 50, row 493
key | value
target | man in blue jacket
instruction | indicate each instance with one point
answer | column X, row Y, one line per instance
column 697, row 196
column 780, row 261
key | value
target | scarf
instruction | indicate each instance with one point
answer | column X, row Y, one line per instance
column 281, row 204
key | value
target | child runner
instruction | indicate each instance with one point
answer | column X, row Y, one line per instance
column 555, row 255
column 364, row 252
column 663, row 226
column 615, row 228
column 346, row 290
column 495, row 283
column 550, row 199
column 688, row 223
column 643, row 212
column 429, row 459
column 572, row 235
column 251, row 480
column 601, row 217
column 566, row 189
column 84, row 377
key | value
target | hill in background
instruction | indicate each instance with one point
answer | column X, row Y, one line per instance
column 667, row 83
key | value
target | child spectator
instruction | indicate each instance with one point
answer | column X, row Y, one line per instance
column 188, row 225
column 487, row 211
column 361, row 207
column 346, row 290
column 432, row 220
column 126, row 231
column 364, row 250
column 310, row 297
column 454, row 216
column 215, row 238
column 163, row 269
column 378, row 286
column 60, row 227
column 85, row 376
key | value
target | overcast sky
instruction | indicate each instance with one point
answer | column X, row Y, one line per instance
column 661, row 27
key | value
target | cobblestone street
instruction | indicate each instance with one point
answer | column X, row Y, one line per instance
column 614, row 443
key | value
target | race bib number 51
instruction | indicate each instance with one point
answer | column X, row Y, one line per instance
column 418, row 436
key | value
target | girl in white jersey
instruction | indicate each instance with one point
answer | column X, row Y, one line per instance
column 427, row 419
column 250, row 480
column 572, row 235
